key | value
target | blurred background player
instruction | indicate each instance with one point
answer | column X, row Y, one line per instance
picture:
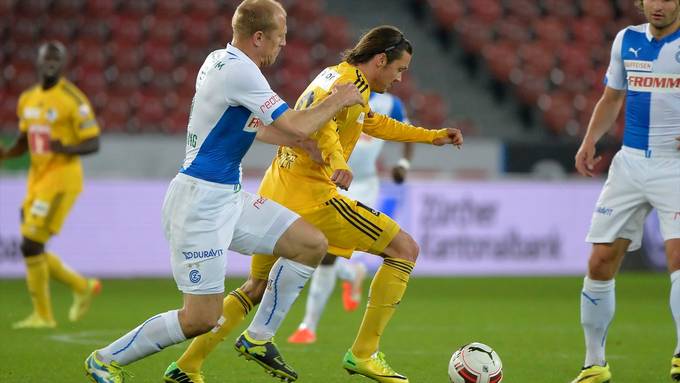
column 376, row 62
column 365, row 187
column 205, row 212
column 645, row 72
column 56, row 126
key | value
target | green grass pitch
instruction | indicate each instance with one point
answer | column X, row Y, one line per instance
column 533, row 323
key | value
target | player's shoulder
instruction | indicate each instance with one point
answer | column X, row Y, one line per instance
column 632, row 29
column 29, row 92
column 71, row 91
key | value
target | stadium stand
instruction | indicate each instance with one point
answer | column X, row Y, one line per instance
column 550, row 55
column 137, row 59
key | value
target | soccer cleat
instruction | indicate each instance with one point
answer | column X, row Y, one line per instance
column 302, row 336
column 100, row 372
column 82, row 301
column 375, row 368
column 594, row 374
column 267, row 355
column 174, row 374
column 34, row 321
column 675, row 368
column 351, row 291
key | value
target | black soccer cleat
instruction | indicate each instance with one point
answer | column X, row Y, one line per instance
column 267, row 355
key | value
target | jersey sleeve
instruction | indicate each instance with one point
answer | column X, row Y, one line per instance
column 84, row 120
column 249, row 88
column 386, row 128
column 615, row 77
column 328, row 140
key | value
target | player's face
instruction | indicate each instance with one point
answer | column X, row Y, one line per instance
column 50, row 62
column 391, row 73
column 661, row 13
column 275, row 40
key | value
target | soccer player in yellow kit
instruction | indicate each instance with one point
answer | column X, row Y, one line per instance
column 310, row 188
column 56, row 125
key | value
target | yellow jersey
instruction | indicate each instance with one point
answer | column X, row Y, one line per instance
column 298, row 182
column 61, row 113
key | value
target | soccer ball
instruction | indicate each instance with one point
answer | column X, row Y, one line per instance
column 475, row 363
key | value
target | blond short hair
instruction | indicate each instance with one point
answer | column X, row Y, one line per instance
column 255, row 15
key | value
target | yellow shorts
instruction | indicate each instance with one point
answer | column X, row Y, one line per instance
column 347, row 224
column 44, row 212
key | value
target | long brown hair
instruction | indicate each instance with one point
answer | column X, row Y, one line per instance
column 383, row 39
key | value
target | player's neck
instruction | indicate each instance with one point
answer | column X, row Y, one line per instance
column 660, row 33
column 367, row 71
column 49, row 82
column 246, row 49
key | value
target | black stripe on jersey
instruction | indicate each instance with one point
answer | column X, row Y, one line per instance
column 361, row 217
column 363, row 89
column 71, row 92
column 371, row 235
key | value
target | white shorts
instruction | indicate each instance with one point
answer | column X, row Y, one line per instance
column 202, row 220
column 364, row 190
column 634, row 186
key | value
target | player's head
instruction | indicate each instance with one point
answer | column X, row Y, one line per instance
column 660, row 13
column 383, row 53
column 260, row 25
column 51, row 60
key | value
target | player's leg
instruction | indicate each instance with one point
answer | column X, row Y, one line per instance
column 299, row 247
column 198, row 221
column 38, row 283
column 673, row 256
column 352, row 274
column 235, row 307
column 320, row 289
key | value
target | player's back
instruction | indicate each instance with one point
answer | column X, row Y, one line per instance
column 650, row 71
column 232, row 98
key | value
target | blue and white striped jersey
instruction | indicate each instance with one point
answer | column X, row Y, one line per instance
column 366, row 152
column 650, row 71
column 232, row 100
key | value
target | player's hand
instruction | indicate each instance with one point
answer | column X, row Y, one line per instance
column 678, row 139
column 454, row 136
column 348, row 95
column 399, row 174
column 585, row 159
column 342, row 178
column 310, row 146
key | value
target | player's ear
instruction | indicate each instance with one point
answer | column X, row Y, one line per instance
column 258, row 38
column 382, row 60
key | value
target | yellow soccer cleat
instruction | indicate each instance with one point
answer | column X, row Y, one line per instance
column 100, row 372
column 34, row 321
column 675, row 368
column 82, row 301
column 174, row 374
column 375, row 368
column 594, row 374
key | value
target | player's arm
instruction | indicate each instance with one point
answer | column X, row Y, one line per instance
column 88, row 146
column 604, row 115
column 404, row 164
column 304, row 122
column 606, row 110
column 332, row 153
column 389, row 129
column 17, row 149
column 271, row 135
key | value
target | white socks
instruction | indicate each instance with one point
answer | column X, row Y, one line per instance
column 153, row 335
column 321, row 287
column 675, row 305
column 345, row 270
column 598, row 303
column 286, row 279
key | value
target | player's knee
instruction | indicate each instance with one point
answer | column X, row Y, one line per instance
column 314, row 248
column 601, row 266
column 195, row 324
column 31, row 248
column 254, row 289
column 408, row 248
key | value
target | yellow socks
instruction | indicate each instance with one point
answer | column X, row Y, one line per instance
column 64, row 274
column 38, row 281
column 387, row 288
column 234, row 309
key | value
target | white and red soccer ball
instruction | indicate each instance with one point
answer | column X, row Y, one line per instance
column 475, row 363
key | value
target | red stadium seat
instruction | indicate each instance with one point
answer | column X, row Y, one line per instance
column 162, row 29
column 170, row 9
column 538, row 58
column 128, row 27
column 501, row 59
column 61, row 29
column 101, row 8
column 447, row 13
column 67, row 8
column 565, row 10
column 526, row 10
column 116, row 115
column 489, row 11
column 32, row 8
column 558, row 113
column 587, row 30
column 528, row 88
column 600, row 10
column 513, row 30
column 550, row 29
column 159, row 56
column 475, row 34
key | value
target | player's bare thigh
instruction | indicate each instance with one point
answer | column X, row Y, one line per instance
column 605, row 259
column 673, row 254
column 302, row 243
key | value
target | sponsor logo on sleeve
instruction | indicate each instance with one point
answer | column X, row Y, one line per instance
column 253, row 124
column 273, row 101
column 326, row 79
